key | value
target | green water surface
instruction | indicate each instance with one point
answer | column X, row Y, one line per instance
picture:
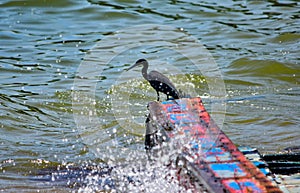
column 256, row 46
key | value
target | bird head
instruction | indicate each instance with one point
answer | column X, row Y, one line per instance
column 138, row 63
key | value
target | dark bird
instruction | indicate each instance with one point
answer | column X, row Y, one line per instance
column 157, row 80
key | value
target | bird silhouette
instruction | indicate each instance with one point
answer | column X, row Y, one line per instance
column 157, row 80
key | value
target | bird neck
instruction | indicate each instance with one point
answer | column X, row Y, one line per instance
column 144, row 71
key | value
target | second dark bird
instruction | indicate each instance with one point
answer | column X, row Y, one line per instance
column 157, row 80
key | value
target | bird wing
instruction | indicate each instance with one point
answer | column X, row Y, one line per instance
column 157, row 76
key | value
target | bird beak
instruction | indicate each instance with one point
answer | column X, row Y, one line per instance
column 136, row 64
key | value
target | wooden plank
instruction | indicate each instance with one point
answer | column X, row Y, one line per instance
column 207, row 152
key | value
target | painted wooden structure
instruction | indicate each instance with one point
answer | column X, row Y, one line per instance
column 207, row 153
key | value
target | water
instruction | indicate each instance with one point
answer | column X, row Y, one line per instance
column 255, row 45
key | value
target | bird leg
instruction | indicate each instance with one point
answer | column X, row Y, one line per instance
column 157, row 95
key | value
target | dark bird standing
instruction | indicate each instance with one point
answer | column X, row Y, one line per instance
column 157, row 80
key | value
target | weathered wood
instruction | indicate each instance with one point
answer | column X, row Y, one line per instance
column 204, row 150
